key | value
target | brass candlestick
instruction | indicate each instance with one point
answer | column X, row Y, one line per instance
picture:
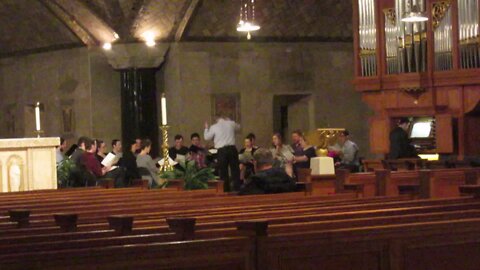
column 166, row 167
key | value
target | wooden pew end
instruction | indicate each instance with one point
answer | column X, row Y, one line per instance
column 306, row 187
column 184, row 227
column 341, row 176
column 66, row 222
column 122, row 224
column 20, row 216
column 470, row 190
column 253, row 228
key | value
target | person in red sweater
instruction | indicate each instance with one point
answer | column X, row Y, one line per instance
column 91, row 162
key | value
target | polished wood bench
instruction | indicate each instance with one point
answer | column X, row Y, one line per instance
column 273, row 249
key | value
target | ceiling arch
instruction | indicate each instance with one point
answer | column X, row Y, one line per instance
column 28, row 26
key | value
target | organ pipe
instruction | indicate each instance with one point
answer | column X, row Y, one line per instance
column 391, row 44
column 367, row 37
column 442, row 35
column 406, row 42
column 468, row 33
column 412, row 38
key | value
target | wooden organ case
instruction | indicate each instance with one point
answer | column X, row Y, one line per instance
column 420, row 69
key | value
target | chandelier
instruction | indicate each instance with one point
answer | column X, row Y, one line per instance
column 247, row 18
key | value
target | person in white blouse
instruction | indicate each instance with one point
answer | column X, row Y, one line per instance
column 223, row 135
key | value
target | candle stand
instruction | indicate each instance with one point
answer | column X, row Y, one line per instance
column 166, row 166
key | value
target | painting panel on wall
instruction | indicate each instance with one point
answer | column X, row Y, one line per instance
column 226, row 105
column 68, row 118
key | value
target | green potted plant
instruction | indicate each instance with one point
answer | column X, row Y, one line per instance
column 63, row 172
column 194, row 177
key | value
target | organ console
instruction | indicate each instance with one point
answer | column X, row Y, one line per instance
column 427, row 69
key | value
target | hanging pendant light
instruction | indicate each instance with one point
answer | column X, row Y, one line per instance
column 414, row 15
column 247, row 18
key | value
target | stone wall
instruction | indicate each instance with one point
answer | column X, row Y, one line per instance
column 257, row 72
column 83, row 81
column 106, row 99
column 80, row 92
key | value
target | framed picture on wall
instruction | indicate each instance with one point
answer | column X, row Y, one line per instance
column 226, row 105
column 68, row 118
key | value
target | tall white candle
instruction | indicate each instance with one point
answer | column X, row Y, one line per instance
column 37, row 116
column 164, row 110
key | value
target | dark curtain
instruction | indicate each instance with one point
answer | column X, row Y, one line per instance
column 139, row 106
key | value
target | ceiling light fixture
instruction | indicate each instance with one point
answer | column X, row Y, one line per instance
column 150, row 43
column 149, row 38
column 107, row 46
column 414, row 15
column 247, row 18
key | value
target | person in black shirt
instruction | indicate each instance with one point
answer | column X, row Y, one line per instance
column 267, row 179
column 246, row 159
column 101, row 149
column 251, row 136
column 129, row 162
column 400, row 146
column 178, row 148
column 138, row 142
column 76, row 156
column 116, row 147
column 302, row 153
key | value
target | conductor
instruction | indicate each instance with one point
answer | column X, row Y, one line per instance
column 223, row 135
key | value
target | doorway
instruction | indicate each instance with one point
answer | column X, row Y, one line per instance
column 292, row 112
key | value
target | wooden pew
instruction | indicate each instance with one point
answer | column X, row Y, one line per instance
column 321, row 184
column 429, row 183
column 404, row 164
column 418, row 245
column 384, row 203
column 277, row 233
column 362, row 184
column 277, row 225
column 226, row 253
column 88, row 213
column 371, row 165
column 304, row 220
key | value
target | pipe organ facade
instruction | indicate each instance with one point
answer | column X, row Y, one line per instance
column 367, row 37
column 420, row 69
column 468, row 33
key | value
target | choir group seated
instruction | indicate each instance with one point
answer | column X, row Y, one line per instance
column 266, row 169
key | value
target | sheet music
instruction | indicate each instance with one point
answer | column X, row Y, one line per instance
column 170, row 161
column 109, row 160
column 180, row 158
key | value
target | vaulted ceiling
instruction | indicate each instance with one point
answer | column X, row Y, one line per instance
column 38, row 25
